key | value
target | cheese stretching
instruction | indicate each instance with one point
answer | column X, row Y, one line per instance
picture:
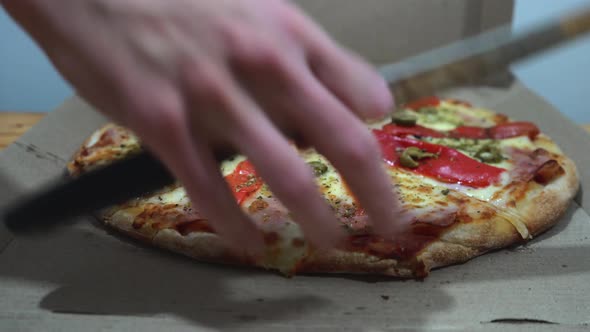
column 469, row 181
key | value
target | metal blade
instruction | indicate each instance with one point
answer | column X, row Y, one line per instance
column 462, row 63
column 472, row 60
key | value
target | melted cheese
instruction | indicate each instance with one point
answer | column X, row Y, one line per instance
column 330, row 182
column 174, row 196
column 334, row 188
column 284, row 255
column 420, row 194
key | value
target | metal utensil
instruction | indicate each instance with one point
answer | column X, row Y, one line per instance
column 461, row 63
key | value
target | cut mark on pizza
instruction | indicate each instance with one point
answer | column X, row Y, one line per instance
column 40, row 154
column 247, row 318
column 522, row 321
column 96, row 313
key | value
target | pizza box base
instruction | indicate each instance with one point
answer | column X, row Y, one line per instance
column 83, row 277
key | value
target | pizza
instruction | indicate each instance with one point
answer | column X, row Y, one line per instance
column 470, row 180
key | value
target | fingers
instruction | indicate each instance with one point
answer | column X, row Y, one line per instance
column 356, row 84
column 350, row 146
column 291, row 180
column 347, row 76
column 289, row 177
column 211, row 196
column 325, row 122
column 162, row 121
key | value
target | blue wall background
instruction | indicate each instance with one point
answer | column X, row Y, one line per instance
column 562, row 76
column 29, row 83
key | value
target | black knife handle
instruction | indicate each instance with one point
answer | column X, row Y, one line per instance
column 120, row 181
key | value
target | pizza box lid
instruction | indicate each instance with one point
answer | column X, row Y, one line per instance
column 84, row 278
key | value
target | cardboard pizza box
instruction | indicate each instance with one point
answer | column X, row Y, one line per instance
column 82, row 277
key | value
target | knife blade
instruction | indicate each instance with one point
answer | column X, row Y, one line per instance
column 465, row 62
column 469, row 61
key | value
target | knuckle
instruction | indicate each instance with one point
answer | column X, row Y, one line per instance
column 155, row 109
column 204, row 82
column 291, row 21
column 210, row 92
column 230, row 32
column 258, row 53
column 248, row 47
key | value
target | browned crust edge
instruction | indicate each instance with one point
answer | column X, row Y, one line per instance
column 465, row 241
column 78, row 162
column 541, row 210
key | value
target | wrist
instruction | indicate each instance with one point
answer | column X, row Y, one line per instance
column 32, row 16
column 21, row 10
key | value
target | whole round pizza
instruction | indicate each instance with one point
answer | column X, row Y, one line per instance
column 469, row 180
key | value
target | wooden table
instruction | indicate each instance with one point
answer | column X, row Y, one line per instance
column 13, row 124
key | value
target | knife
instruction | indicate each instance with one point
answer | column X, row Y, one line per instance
column 465, row 62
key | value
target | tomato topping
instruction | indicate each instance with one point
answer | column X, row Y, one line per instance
column 449, row 165
column 423, row 102
column 513, row 129
column 469, row 132
column 415, row 130
column 458, row 102
column 243, row 181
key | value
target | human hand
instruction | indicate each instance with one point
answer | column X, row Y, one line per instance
column 189, row 76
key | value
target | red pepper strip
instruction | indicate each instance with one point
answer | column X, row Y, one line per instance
column 415, row 130
column 470, row 132
column 450, row 166
column 506, row 130
column 423, row 102
column 513, row 129
column 243, row 181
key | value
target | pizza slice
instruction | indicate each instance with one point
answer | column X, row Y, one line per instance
column 470, row 181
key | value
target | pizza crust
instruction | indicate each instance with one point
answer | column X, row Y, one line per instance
column 538, row 210
column 201, row 245
column 542, row 208
column 464, row 242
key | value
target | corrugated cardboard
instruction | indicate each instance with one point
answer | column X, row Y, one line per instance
column 384, row 31
column 85, row 278
column 82, row 276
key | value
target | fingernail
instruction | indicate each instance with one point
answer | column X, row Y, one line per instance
column 384, row 97
column 382, row 102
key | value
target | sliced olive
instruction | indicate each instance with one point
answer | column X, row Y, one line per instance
column 411, row 154
column 489, row 154
column 407, row 161
column 318, row 167
column 404, row 118
column 413, row 151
